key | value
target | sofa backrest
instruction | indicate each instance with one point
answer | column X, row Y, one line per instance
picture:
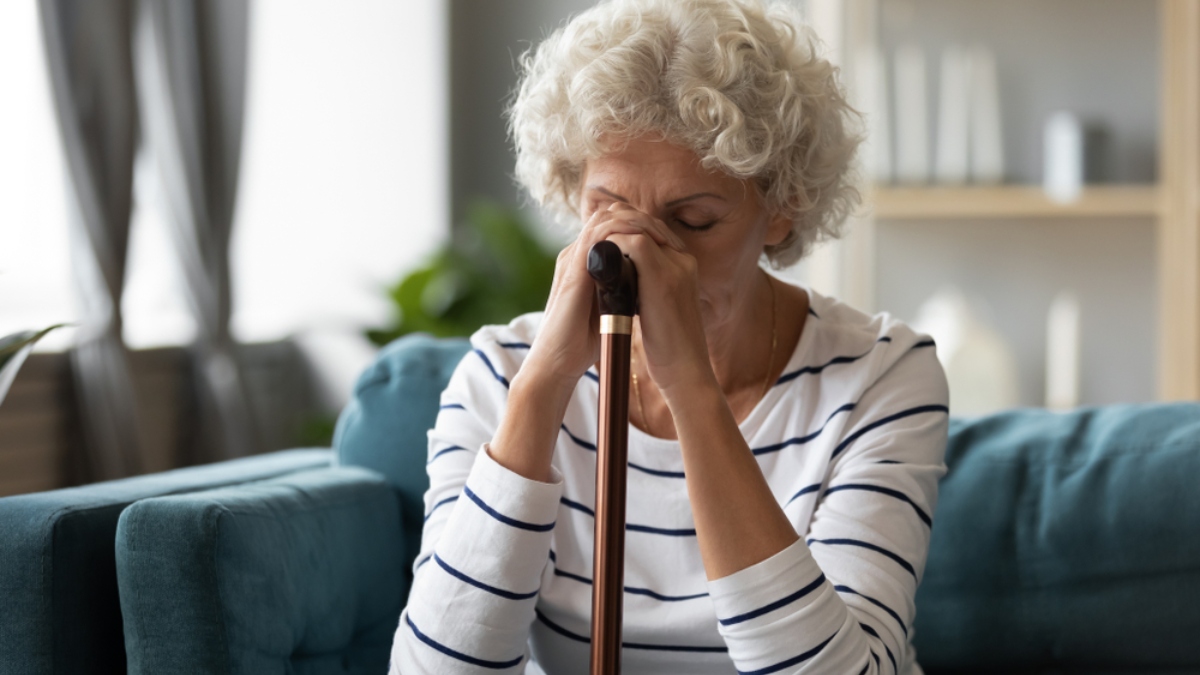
column 384, row 426
column 1068, row 540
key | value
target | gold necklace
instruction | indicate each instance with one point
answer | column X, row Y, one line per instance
column 637, row 390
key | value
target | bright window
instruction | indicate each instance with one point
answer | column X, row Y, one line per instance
column 343, row 179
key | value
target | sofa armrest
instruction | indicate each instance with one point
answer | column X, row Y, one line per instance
column 58, row 583
column 302, row 573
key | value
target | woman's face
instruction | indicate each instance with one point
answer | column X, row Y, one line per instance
column 720, row 219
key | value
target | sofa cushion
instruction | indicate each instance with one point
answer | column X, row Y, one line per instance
column 58, row 583
column 298, row 574
column 1066, row 539
column 395, row 403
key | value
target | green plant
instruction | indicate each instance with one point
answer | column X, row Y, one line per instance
column 492, row 270
column 316, row 431
column 13, row 350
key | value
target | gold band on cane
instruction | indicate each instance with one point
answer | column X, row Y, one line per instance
column 616, row 323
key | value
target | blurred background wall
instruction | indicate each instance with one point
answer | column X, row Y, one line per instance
column 370, row 127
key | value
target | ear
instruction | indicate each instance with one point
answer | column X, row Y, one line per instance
column 777, row 229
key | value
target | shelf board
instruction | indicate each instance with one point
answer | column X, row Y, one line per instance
column 1011, row 201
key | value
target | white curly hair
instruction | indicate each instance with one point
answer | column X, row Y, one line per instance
column 738, row 82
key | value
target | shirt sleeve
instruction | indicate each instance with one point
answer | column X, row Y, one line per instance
column 485, row 542
column 840, row 599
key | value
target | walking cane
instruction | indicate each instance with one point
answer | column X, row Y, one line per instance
column 616, row 290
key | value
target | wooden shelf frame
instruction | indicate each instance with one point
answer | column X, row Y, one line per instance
column 1012, row 202
column 1179, row 223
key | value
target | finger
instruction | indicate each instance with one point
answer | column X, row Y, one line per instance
column 627, row 213
column 647, row 255
column 663, row 234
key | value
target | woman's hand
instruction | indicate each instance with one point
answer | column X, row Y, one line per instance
column 568, row 340
column 672, row 328
column 566, row 345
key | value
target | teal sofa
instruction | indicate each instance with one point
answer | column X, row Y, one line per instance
column 1062, row 543
column 60, row 611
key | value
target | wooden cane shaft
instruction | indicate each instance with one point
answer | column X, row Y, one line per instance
column 608, row 561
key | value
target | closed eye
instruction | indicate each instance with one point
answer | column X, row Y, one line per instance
column 693, row 227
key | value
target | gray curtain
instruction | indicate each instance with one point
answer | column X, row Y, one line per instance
column 191, row 73
column 182, row 64
column 88, row 49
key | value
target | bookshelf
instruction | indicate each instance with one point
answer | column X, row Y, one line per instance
column 1169, row 207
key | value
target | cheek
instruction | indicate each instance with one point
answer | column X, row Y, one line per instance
column 723, row 268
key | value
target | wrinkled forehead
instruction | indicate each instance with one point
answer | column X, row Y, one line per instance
column 652, row 170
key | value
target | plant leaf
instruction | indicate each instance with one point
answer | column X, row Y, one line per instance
column 13, row 350
column 491, row 270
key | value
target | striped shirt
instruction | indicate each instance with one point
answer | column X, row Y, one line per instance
column 851, row 441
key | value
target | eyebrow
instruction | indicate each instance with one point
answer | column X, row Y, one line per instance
column 673, row 202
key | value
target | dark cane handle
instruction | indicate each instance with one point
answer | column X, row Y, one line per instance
column 616, row 279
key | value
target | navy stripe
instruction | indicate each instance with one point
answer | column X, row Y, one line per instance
column 656, row 472
column 497, row 665
column 579, row 441
column 425, row 560
column 873, row 601
column 569, row 575
column 572, row 575
column 577, row 506
column 889, row 461
column 503, row 518
column 813, row 311
column 884, row 491
column 869, row 546
column 591, row 447
column 924, row 343
column 675, row 648
column 808, row 489
column 665, row 598
column 813, row 370
column 514, row 345
column 488, row 363
column 445, row 501
column 627, row 645
column 774, row 605
column 871, row 631
column 479, row 584
column 439, row 453
column 629, row 527
column 868, row 666
column 628, row 589
column 452, row 406
column 799, row 440
column 790, row 662
column 559, row 629
column 890, row 418
column 592, row 376
column 876, row 657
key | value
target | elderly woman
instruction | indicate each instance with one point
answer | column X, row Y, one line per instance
column 785, row 448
